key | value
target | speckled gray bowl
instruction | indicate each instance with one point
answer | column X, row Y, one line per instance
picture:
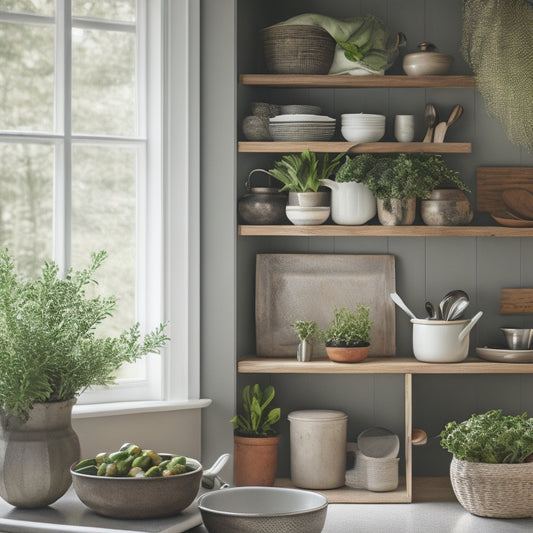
column 136, row 498
column 263, row 510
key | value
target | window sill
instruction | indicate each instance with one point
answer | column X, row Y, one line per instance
column 127, row 408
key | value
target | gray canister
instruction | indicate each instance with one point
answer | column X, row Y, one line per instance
column 318, row 448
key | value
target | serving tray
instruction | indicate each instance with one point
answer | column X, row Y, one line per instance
column 292, row 287
column 505, row 355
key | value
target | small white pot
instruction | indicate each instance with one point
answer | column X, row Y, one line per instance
column 441, row 341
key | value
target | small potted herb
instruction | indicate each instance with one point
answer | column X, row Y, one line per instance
column 347, row 336
column 398, row 181
column 255, row 438
column 491, row 469
column 307, row 331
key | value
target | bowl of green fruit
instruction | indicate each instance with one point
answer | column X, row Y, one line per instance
column 136, row 483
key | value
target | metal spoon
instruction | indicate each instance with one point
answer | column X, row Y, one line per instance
column 448, row 300
column 457, row 307
column 431, row 116
column 431, row 311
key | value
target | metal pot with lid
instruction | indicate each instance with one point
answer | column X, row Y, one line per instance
column 262, row 205
column 427, row 61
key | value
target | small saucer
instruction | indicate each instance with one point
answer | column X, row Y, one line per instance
column 505, row 355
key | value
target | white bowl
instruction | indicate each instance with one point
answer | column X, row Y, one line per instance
column 362, row 135
column 302, row 118
column 362, row 116
column 307, row 216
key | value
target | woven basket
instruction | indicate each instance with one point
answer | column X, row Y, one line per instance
column 495, row 490
column 298, row 49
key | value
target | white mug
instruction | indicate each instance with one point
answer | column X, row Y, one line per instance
column 404, row 128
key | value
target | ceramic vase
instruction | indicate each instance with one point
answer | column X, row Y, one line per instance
column 36, row 455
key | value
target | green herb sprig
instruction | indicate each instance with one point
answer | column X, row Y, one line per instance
column 491, row 437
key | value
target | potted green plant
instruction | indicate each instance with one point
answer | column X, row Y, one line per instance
column 347, row 336
column 307, row 331
column 491, row 469
column 49, row 354
column 398, row 181
column 352, row 202
column 255, row 438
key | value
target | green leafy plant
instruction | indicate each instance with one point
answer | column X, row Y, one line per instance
column 49, row 351
column 410, row 175
column 491, row 437
column 302, row 172
column 349, row 328
column 355, row 168
column 255, row 420
column 307, row 330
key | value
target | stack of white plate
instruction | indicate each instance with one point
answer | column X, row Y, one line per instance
column 301, row 127
column 362, row 127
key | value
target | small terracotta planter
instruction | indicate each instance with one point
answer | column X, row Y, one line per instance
column 255, row 460
column 347, row 355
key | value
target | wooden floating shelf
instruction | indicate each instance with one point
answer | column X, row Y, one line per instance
column 348, row 81
column 334, row 230
column 355, row 148
column 377, row 365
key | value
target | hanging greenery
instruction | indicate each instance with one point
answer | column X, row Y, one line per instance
column 498, row 45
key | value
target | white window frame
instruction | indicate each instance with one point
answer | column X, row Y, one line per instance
column 169, row 264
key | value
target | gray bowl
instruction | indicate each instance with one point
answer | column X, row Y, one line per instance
column 263, row 510
column 136, row 498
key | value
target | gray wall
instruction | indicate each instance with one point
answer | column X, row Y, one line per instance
column 426, row 268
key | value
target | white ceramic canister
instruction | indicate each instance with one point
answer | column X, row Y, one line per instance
column 352, row 203
column 441, row 341
column 318, row 448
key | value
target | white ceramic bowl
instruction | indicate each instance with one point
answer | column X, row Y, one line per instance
column 362, row 116
column 302, row 118
column 363, row 135
column 307, row 216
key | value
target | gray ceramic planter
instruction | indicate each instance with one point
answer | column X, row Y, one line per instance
column 35, row 456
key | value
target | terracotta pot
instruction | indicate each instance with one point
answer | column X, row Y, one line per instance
column 255, row 460
column 401, row 213
column 347, row 355
column 35, row 456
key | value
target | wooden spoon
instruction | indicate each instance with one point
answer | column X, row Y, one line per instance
column 519, row 202
column 431, row 116
column 442, row 127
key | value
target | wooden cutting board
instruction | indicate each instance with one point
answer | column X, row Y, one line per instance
column 492, row 181
column 516, row 301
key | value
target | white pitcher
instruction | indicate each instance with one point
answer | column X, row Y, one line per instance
column 352, row 203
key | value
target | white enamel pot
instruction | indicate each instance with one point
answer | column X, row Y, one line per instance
column 441, row 341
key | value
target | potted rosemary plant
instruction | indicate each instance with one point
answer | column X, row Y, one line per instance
column 347, row 336
column 255, row 438
column 492, row 465
column 49, row 354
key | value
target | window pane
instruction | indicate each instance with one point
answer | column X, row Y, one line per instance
column 104, row 218
column 103, row 82
column 40, row 7
column 26, row 77
column 109, row 9
column 26, row 195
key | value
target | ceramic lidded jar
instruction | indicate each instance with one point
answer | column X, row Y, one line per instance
column 427, row 61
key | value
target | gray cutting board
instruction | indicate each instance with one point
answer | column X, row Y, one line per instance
column 292, row 287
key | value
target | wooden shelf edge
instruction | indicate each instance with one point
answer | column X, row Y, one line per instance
column 377, row 365
column 425, row 489
column 334, row 230
column 343, row 146
column 347, row 81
